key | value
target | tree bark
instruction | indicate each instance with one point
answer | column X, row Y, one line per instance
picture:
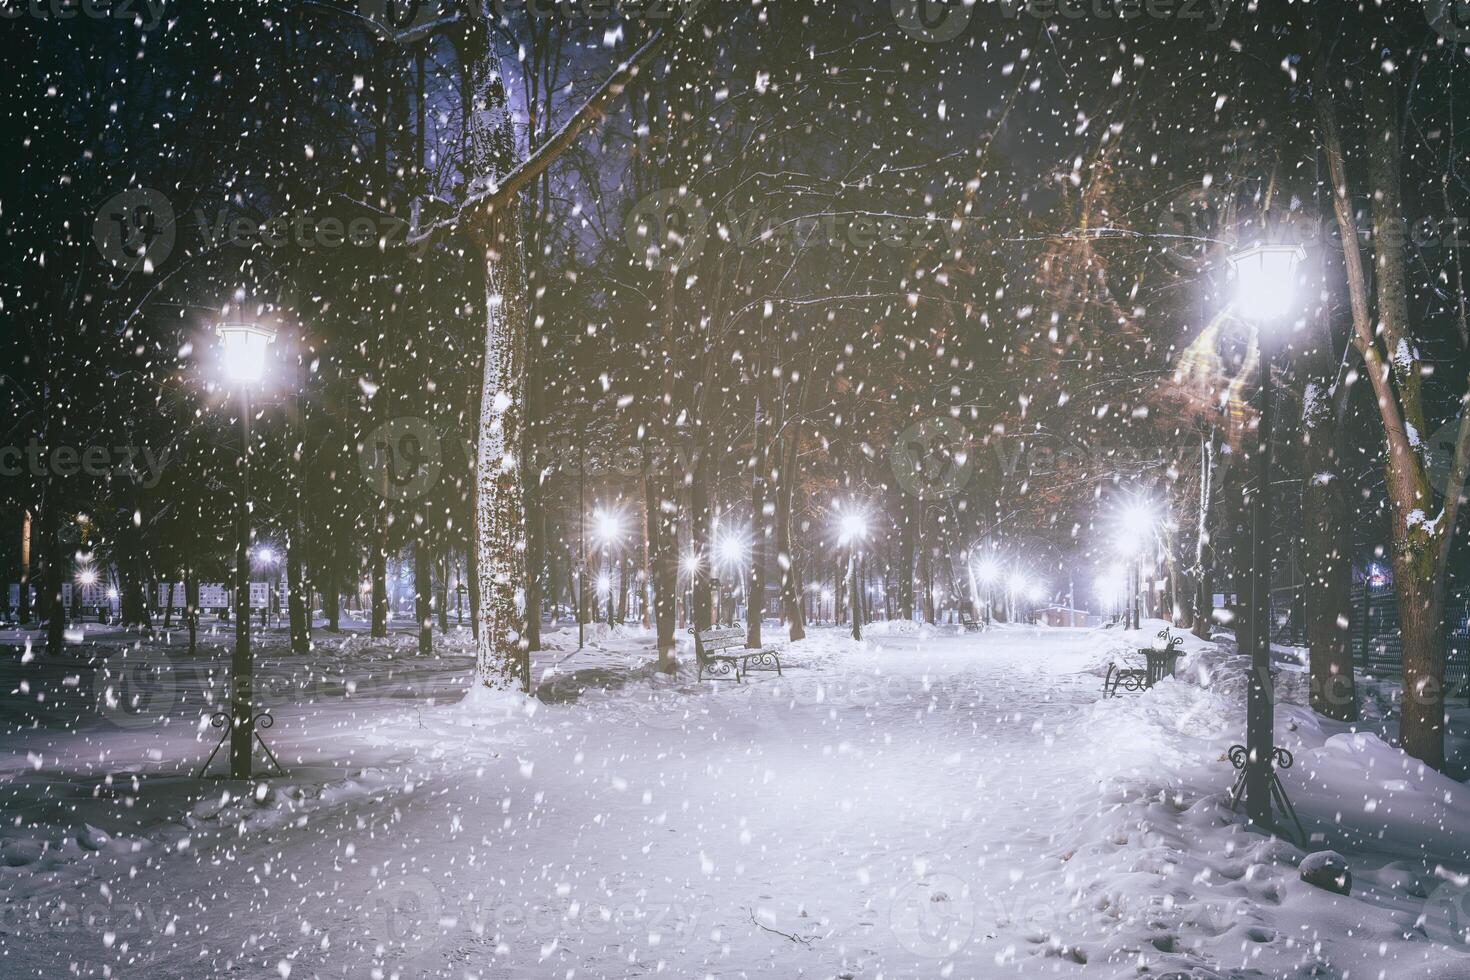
column 907, row 534
column 332, row 589
column 502, row 650
column 1327, row 543
column 380, row 580
column 699, row 523
column 423, row 588
column 298, row 598
column 755, row 601
column 786, row 556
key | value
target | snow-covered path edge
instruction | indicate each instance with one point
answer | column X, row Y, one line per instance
column 923, row 805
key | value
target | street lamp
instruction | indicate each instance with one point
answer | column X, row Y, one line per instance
column 244, row 349
column 607, row 529
column 852, row 530
column 1266, row 278
column 1136, row 529
column 988, row 573
column 1017, row 587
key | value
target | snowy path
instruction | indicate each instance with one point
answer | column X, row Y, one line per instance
column 956, row 806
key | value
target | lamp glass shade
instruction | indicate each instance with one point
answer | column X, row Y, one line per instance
column 1266, row 279
column 245, row 351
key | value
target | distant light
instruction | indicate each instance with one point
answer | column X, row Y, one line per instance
column 730, row 549
column 266, row 556
column 608, row 528
column 112, row 593
column 852, row 526
column 689, row 562
column 1137, row 526
column 245, row 348
column 604, row 583
column 1266, row 279
column 987, row 571
column 87, row 576
column 1019, row 584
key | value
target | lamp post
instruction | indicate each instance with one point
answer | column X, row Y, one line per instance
column 609, row 529
column 988, row 572
column 1137, row 529
column 1265, row 277
column 852, row 529
column 245, row 361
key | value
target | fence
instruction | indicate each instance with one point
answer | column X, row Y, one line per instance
column 1376, row 642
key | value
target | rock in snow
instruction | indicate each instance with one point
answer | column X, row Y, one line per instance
column 1327, row 870
column 93, row 838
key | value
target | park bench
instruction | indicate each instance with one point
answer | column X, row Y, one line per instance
column 714, row 649
column 1159, row 661
column 970, row 623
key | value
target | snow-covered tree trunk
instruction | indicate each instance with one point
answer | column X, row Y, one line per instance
column 502, row 655
column 1204, row 601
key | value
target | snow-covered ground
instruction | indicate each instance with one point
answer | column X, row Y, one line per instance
column 924, row 804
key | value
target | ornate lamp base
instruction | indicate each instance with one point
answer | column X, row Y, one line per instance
column 221, row 719
column 1282, row 759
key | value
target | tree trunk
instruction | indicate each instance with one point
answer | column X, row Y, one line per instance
column 786, row 556
column 502, row 653
column 699, row 533
column 755, row 600
column 1327, row 543
column 663, row 546
column 423, row 588
column 444, row 592
column 1204, row 595
column 298, row 597
column 535, row 549
column 380, row 582
column 1329, row 576
column 332, row 589
column 191, row 605
column 907, row 534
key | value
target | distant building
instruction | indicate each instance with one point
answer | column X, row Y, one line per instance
column 1067, row 616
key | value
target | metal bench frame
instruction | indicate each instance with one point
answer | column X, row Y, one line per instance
column 709, row 647
column 1159, row 662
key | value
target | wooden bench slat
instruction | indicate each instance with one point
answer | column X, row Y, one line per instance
column 723, row 649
